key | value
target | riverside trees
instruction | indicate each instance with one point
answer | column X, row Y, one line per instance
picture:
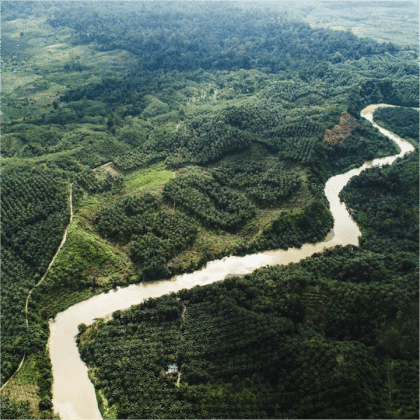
column 401, row 121
column 198, row 100
column 274, row 343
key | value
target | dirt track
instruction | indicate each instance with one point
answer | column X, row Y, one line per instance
column 42, row 279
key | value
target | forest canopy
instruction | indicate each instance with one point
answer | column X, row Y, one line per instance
column 187, row 132
column 401, row 121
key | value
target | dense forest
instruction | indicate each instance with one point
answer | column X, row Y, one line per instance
column 221, row 124
column 178, row 38
column 401, row 121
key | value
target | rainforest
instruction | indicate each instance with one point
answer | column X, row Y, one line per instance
column 145, row 141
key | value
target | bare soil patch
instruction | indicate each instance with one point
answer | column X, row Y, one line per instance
column 108, row 167
column 340, row 131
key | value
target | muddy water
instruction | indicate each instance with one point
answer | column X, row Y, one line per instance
column 74, row 394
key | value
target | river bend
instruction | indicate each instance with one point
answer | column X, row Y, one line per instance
column 73, row 392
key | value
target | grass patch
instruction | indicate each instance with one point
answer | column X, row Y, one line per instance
column 86, row 265
column 28, row 373
column 84, row 260
column 107, row 411
column 147, row 178
column 18, row 391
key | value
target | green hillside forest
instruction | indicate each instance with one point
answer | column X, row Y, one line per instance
column 176, row 133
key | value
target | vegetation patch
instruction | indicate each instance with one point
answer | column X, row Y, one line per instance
column 212, row 203
column 20, row 392
column 84, row 261
column 401, row 121
column 240, row 117
column 144, row 179
column 341, row 130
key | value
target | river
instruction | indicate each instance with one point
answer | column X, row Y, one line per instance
column 73, row 392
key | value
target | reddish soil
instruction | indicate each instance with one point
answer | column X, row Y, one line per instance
column 339, row 132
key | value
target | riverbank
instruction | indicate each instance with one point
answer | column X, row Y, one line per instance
column 79, row 401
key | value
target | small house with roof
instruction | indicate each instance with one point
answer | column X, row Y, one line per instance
column 173, row 368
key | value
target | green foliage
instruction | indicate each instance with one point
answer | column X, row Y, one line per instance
column 254, row 116
column 154, row 236
column 402, row 388
column 299, row 149
column 241, row 38
column 332, row 337
column 212, row 203
column 293, row 229
column 44, row 368
column 116, row 221
column 79, row 262
column 11, row 409
column 32, row 139
column 402, row 92
column 289, row 90
column 203, row 140
column 90, row 183
column 384, row 202
column 363, row 144
column 35, row 213
column 155, row 107
column 137, row 158
column 401, row 121
column 264, row 184
column 151, row 359
column 163, row 236
column 135, row 132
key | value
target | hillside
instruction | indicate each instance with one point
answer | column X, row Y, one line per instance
column 184, row 147
column 335, row 336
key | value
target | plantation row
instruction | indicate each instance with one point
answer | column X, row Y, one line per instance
column 213, row 204
column 292, row 229
column 203, row 139
column 154, row 342
column 207, row 139
column 154, row 237
column 35, row 212
column 298, row 149
column 390, row 196
column 264, row 186
column 248, row 346
column 401, row 121
column 289, row 90
column 89, row 182
column 137, row 158
column 33, row 202
column 254, row 116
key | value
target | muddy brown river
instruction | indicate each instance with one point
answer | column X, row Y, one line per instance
column 73, row 392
